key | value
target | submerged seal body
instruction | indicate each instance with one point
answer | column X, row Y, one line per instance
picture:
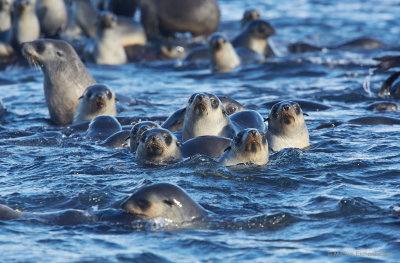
column 158, row 145
column 223, row 57
column 255, row 36
column 65, row 76
column 52, row 16
column 286, row 127
column 165, row 17
column 26, row 25
column 164, row 200
column 249, row 146
column 102, row 127
column 98, row 99
column 205, row 115
column 136, row 132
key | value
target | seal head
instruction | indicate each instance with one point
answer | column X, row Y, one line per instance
column 286, row 127
column 98, row 99
column 249, row 146
column 137, row 130
column 158, row 145
column 205, row 115
column 223, row 56
column 164, row 200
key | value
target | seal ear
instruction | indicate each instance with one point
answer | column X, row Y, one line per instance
column 80, row 97
column 266, row 119
column 305, row 114
column 178, row 144
column 168, row 202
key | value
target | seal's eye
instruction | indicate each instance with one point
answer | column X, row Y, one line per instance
column 168, row 202
column 274, row 112
column 297, row 108
column 59, row 53
column 109, row 94
column 143, row 204
column 214, row 102
column 40, row 47
column 231, row 110
column 89, row 94
column 167, row 138
column 143, row 138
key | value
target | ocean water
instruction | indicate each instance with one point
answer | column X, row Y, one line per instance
column 338, row 201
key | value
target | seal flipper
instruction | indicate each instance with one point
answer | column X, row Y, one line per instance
column 387, row 84
column 175, row 121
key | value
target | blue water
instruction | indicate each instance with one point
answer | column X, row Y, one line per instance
column 337, row 201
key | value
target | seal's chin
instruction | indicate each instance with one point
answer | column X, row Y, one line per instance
column 253, row 144
column 287, row 118
column 154, row 149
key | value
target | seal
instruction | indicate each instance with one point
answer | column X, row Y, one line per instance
column 98, row 99
column 368, row 120
column 175, row 120
column 7, row 213
column 391, row 87
column 249, row 15
column 101, row 127
column 205, row 115
column 53, row 17
column 136, row 132
column 255, row 36
column 5, row 21
column 166, row 17
column 164, row 200
column 286, row 127
column 305, row 105
column 26, row 25
column 158, row 145
column 108, row 49
column 383, row 106
column 249, row 146
column 212, row 146
column 65, row 76
column 223, row 57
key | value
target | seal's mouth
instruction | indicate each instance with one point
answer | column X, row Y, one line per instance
column 200, row 108
column 154, row 149
column 253, row 143
column 30, row 54
column 287, row 116
column 100, row 103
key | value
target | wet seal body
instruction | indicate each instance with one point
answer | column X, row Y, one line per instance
column 165, row 17
column 255, row 36
column 65, row 76
column 249, row 146
column 286, row 127
column 136, row 132
column 108, row 49
column 102, row 127
column 158, row 145
column 26, row 25
column 166, row 201
column 98, row 99
column 5, row 21
column 223, row 57
column 52, row 16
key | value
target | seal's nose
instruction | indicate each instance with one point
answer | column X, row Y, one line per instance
column 253, row 132
column 286, row 107
column 200, row 97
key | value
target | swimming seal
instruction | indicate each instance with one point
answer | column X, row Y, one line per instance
column 65, row 76
column 158, row 145
column 5, row 21
column 286, row 127
column 205, row 115
column 175, row 120
column 53, row 17
column 6, row 213
column 136, row 132
column 383, row 106
column 101, row 127
column 223, row 57
column 165, row 17
column 98, row 99
column 166, row 201
column 255, row 36
column 249, row 146
column 25, row 23
column 249, row 15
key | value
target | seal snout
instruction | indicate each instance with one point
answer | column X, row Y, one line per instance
column 253, row 141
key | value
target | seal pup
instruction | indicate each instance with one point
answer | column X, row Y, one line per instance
column 383, row 106
column 101, row 127
column 368, row 120
column 249, row 15
column 175, row 120
column 205, row 115
column 108, row 49
column 7, row 213
column 286, row 127
column 5, row 21
column 166, row 17
column 53, row 17
column 136, row 133
column 223, row 57
column 158, row 145
column 98, row 99
column 164, row 200
column 26, row 25
column 65, row 76
column 249, row 146
column 255, row 36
